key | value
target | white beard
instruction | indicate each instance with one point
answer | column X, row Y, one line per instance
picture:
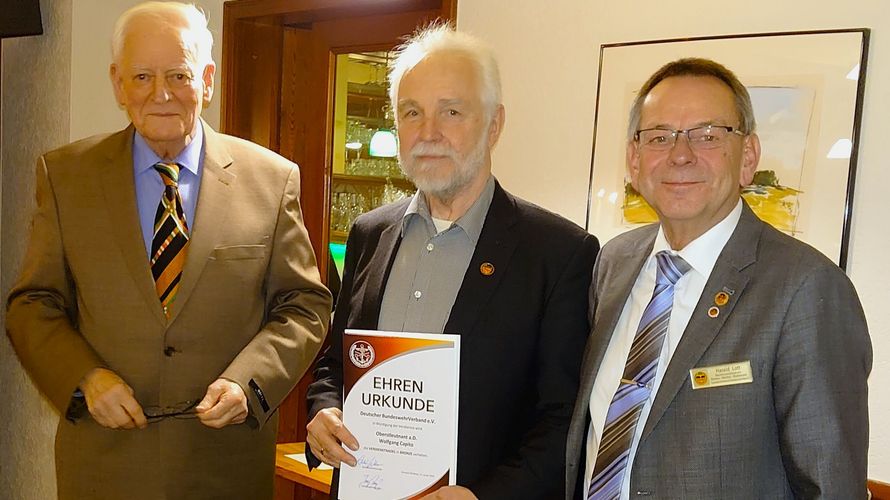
column 423, row 176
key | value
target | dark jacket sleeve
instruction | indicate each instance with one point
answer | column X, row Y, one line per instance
column 537, row 471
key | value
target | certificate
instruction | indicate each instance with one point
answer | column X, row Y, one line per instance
column 400, row 402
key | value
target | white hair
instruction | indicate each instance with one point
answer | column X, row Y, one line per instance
column 194, row 18
column 439, row 38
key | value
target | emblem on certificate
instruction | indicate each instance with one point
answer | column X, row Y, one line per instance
column 400, row 401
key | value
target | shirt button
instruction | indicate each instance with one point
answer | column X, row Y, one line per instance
column 417, row 294
column 430, row 247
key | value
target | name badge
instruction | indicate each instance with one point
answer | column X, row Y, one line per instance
column 706, row 377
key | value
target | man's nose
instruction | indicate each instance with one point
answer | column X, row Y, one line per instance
column 681, row 152
column 160, row 92
column 429, row 129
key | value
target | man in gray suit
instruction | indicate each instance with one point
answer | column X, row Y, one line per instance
column 744, row 374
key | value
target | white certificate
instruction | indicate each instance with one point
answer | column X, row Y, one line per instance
column 400, row 402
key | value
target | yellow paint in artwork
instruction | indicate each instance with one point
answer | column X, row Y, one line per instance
column 775, row 205
column 772, row 202
column 637, row 210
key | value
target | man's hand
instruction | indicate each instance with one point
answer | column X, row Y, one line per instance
column 451, row 493
column 110, row 400
column 225, row 403
column 326, row 432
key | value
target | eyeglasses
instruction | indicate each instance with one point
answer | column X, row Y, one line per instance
column 186, row 409
column 699, row 138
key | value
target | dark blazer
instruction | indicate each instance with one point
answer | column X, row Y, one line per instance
column 522, row 333
column 800, row 430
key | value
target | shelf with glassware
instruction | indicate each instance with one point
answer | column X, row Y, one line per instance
column 370, row 175
column 365, row 170
column 353, row 195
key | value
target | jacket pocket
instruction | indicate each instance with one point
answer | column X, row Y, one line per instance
column 238, row 252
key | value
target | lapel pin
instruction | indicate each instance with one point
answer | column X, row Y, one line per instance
column 714, row 312
column 721, row 298
column 487, row 269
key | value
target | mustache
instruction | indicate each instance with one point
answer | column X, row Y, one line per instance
column 433, row 149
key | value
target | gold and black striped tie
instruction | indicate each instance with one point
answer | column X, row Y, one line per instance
column 171, row 237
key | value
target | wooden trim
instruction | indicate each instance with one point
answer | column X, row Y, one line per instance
column 326, row 9
column 879, row 490
column 319, row 480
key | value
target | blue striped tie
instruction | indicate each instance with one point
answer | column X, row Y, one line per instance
column 635, row 387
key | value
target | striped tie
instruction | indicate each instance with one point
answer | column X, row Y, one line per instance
column 635, row 387
column 171, row 237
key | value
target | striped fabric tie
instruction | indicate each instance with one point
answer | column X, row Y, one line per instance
column 635, row 387
column 171, row 237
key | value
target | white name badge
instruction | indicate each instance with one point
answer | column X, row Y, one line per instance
column 706, row 377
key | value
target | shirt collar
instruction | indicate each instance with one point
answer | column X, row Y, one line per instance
column 145, row 158
column 702, row 252
column 471, row 222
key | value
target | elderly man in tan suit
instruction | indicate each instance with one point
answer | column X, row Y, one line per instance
column 170, row 298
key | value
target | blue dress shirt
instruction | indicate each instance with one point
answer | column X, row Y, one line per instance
column 149, row 186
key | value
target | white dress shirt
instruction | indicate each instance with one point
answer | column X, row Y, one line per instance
column 701, row 254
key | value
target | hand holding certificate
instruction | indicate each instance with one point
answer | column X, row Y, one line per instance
column 400, row 402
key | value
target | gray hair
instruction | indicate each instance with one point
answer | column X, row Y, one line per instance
column 694, row 66
column 202, row 44
column 439, row 38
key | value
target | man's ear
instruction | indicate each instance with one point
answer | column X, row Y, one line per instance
column 207, row 77
column 496, row 126
column 633, row 162
column 750, row 159
column 118, row 85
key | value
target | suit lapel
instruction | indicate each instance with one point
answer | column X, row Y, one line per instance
column 618, row 278
column 119, row 189
column 495, row 246
column 731, row 274
column 380, row 266
column 217, row 184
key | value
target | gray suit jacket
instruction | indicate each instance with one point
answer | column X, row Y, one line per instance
column 799, row 430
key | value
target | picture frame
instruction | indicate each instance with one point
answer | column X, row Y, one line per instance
column 807, row 88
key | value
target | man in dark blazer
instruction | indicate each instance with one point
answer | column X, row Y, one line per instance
column 507, row 276
column 757, row 384
column 170, row 395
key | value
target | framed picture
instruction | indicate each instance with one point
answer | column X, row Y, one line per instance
column 807, row 90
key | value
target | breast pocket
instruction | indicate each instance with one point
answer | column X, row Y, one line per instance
column 238, row 252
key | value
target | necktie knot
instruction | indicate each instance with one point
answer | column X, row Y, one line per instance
column 670, row 268
column 169, row 173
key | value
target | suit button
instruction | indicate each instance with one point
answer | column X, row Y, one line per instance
column 169, row 350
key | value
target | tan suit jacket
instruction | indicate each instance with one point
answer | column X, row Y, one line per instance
column 251, row 308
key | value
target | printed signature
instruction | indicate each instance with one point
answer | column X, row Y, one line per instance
column 371, row 482
column 366, row 462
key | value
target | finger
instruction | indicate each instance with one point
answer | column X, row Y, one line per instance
column 226, row 411
column 227, row 418
column 344, row 436
column 134, row 412
column 333, row 420
column 108, row 409
column 210, row 399
column 338, row 454
column 327, row 448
